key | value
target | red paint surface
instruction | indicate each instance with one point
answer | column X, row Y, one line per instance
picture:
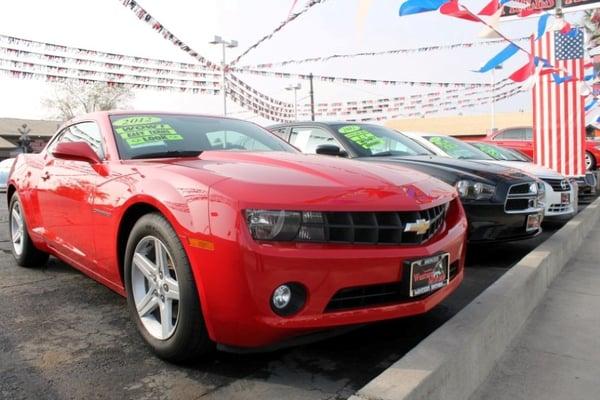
column 75, row 213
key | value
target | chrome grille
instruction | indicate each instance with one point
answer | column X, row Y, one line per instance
column 521, row 199
column 377, row 227
column 559, row 185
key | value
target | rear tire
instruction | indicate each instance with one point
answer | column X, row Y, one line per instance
column 590, row 161
column 160, row 285
column 25, row 253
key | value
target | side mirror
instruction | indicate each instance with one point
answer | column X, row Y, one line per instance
column 330, row 150
column 76, row 151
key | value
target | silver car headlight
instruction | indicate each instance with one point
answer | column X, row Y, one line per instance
column 471, row 190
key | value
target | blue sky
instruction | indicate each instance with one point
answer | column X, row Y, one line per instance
column 328, row 28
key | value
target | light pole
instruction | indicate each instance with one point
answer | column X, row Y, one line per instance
column 295, row 88
column 225, row 44
column 494, row 96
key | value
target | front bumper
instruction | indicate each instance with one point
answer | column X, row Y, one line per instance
column 236, row 281
column 490, row 223
column 556, row 209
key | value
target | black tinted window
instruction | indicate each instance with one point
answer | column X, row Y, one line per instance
column 140, row 135
column 513, row 134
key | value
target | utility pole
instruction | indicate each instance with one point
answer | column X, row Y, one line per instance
column 493, row 102
column 312, row 98
column 225, row 44
column 295, row 88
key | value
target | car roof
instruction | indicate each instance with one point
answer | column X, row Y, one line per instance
column 324, row 124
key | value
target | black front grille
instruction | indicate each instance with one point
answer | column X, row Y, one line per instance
column 375, row 295
column 522, row 188
column 519, row 204
column 380, row 227
column 559, row 185
column 521, row 198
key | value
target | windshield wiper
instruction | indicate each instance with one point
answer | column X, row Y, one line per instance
column 167, row 154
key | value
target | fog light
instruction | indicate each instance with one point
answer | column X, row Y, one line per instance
column 288, row 299
column 282, row 296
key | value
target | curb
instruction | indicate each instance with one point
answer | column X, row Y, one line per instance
column 453, row 361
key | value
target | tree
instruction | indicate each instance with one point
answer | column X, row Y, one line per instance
column 74, row 98
column 591, row 23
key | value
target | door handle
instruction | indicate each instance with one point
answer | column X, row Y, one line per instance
column 46, row 176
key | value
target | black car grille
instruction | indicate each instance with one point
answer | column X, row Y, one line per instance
column 520, row 198
column 559, row 185
column 375, row 295
column 380, row 227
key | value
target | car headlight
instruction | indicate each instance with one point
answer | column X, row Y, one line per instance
column 471, row 190
column 541, row 192
column 273, row 225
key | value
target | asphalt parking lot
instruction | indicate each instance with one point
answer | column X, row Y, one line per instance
column 63, row 336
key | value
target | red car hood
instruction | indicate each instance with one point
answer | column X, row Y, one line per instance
column 289, row 179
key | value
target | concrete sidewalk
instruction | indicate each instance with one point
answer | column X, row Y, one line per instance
column 557, row 354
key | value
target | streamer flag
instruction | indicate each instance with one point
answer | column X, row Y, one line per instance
column 452, row 9
column 419, row 6
column 499, row 58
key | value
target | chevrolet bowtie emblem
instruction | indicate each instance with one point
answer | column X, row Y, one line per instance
column 420, row 226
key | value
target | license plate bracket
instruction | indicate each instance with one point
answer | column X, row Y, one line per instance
column 429, row 274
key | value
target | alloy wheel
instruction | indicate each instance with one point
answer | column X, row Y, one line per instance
column 155, row 288
column 588, row 161
column 16, row 228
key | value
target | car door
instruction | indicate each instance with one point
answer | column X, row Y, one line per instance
column 516, row 138
column 65, row 196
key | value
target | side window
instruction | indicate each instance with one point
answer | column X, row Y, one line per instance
column 231, row 140
column 82, row 132
column 528, row 134
column 511, row 134
column 281, row 132
column 308, row 139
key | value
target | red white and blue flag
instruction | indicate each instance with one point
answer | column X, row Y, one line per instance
column 558, row 107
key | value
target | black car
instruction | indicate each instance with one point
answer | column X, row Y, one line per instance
column 501, row 203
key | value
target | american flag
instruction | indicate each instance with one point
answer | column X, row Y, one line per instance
column 558, row 116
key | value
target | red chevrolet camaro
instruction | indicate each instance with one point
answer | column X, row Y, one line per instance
column 218, row 232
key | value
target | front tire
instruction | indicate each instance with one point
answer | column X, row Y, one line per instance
column 590, row 161
column 161, row 292
column 25, row 253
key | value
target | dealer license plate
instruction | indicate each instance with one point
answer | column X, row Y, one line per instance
column 533, row 222
column 429, row 274
column 565, row 198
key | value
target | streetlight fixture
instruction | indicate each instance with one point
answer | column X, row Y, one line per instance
column 295, row 88
column 225, row 44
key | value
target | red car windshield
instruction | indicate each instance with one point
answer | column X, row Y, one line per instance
column 158, row 135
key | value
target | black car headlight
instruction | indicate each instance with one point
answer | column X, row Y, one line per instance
column 282, row 225
column 472, row 190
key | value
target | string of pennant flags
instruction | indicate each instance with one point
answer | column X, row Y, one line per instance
column 145, row 16
column 424, row 112
column 97, row 54
column 291, row 17
column 29, row 59
column 361, row 81
column 414, row 50
column 432, row 99
column 103, row 75
column 48, row 77
column 110, row 65
column 431, row 105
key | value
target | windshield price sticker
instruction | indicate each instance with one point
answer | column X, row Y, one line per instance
column 361, row 137
column 443, row 143
column 136, row 131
